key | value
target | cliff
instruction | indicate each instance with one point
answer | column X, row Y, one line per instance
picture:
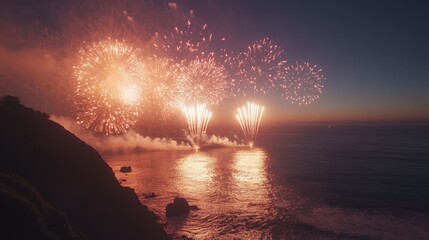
column 71, row 176
column 25, row 214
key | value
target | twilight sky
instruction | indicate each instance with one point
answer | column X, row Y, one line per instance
column 373, row 53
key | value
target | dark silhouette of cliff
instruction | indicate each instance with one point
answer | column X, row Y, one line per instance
column 25, row 215
column 71, row 176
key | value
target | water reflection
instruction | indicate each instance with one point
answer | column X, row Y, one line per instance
column 250, row 176
column 249, row 166
column 195, row 173
column 230, row 185
column 236, row 176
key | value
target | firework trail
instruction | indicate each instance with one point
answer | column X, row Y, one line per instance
column 110, row 80
column 303, row 84
column 204, row 81
column 198, row 118
column 249, row 116
column 257, row 69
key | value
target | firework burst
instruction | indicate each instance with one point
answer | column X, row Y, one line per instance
column 258, row 68
column 249, row 116
column 198, row 118
column 110, row 79
column 185, row 43
column 162, row 92
column 303, row 84
column 204, row 81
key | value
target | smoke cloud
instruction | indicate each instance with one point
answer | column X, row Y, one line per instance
column 130, row 141
column 214, row 140
column 134, row 142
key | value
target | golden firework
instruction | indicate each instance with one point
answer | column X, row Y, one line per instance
column 249, row 116
column 110, row 81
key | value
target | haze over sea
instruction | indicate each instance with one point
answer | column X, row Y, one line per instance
column 316, row 182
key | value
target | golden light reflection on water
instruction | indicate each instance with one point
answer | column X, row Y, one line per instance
column 250, row 176
column 228, row 184
column 236, row 176
column 224, row 183
column 249, row 166
column 195, row 173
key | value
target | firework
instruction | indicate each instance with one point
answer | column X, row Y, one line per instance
column 162, row 84
column 249, row 116
column 110, row 79
column 202, row 81
column 198, row 118
column 303, row 84
column 200, row 78
column 258, row 68
column 232, row 66
column 185, row 43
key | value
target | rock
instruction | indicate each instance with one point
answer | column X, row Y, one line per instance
column 149, row 195
column 179, row 207
column 125, row 169
column 194, row 208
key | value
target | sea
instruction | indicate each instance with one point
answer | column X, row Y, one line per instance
column 345, row 181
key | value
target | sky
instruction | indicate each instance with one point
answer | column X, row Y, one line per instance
column 373, row 53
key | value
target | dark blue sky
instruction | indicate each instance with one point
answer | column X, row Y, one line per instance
column 373, row 53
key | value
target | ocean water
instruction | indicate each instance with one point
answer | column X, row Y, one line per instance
column 297, row 182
